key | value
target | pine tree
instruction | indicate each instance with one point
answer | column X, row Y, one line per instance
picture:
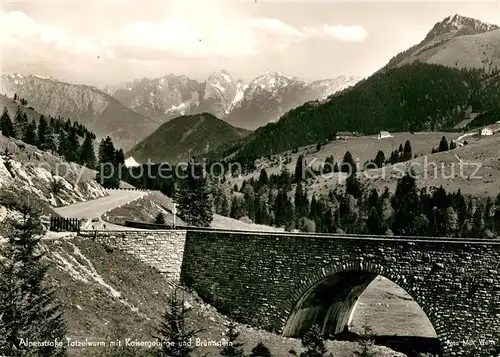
column 225, row 209
column 263, row 178
column 73, row 149
column 283, row 209
column 174, row 334
column 407, row 155
column 313, row 343
column 299, row 169
column 6, row 125
column 443, row 145
column 366, row 342
column 234, row 348
column 375, row 222
column 120, row 157
column 353, row 186
column 160, row 218
column 261, row 350
column 87, row 153
column 405, row 203
column 348, row 163
column 193, row 197
column 496, row 215
column 50, row 140
column 380, row 159
column 249, row 197
column 329, row 165
column 28, row 309
column 313, row 208
column 20, row 122
column 237, row 208
column 478, row 224
column 42, row 133
column 29, row 136
column 108, row 174
column 301, row 202
column 7, row 161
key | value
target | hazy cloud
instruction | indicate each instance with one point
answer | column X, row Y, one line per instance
column 182, row 38
column 276, row 27
column 354, row 33
column 150, row 41
column 108, row 41
column 342, row 33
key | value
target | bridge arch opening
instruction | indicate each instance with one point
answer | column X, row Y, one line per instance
column 344, row 303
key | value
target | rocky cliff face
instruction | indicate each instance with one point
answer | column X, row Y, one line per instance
column 246, row 105
column 160, row 98
column 462, row 33
column 27, row 169
column 271, row 95
column 98, row 111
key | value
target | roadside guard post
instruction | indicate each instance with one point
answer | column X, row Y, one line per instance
column 174, row 211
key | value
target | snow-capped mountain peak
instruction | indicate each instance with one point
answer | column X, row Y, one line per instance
column 18, row 77
column 272, row 81
column 240, row 93
column 226, row 75
column 264, row 99
column 272, row 94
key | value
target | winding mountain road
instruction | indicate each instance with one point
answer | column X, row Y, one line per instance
column 96, row 208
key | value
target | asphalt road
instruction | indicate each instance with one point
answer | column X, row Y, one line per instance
column 96, row 208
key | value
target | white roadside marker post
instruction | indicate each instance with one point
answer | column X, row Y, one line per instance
column 174, row 211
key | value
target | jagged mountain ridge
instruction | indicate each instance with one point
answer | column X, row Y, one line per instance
column 248, row 106
column 448, row 38
column 271, row 95
column 98, row 111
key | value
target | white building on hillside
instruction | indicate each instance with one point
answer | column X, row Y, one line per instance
column 130, row 162
column 486, row 132
column 384, row 134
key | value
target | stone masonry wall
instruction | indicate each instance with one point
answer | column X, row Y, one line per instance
column 259, row 278
column 162, row 250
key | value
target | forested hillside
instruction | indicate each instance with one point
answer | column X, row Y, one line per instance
column 185, row 136
column 67, row 138
column 416, row 97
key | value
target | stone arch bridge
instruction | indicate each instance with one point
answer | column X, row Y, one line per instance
column 286, row 282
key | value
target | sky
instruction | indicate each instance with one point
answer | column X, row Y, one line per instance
column 102, row 42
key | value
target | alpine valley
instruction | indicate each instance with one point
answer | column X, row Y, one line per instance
column 131, row 111
column 338, row 217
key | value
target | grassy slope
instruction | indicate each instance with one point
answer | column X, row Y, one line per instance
column 473, row 51
column 86, row 275
column 480, row 151
column 12, row 108
column 146, row 209
column 180, row 138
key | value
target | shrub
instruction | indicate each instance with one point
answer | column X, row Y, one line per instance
column 56, row 186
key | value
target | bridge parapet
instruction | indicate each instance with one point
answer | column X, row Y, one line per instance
column 278, row 280
column 162, row 250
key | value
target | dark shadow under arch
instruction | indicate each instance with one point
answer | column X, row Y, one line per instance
column 329, row 297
